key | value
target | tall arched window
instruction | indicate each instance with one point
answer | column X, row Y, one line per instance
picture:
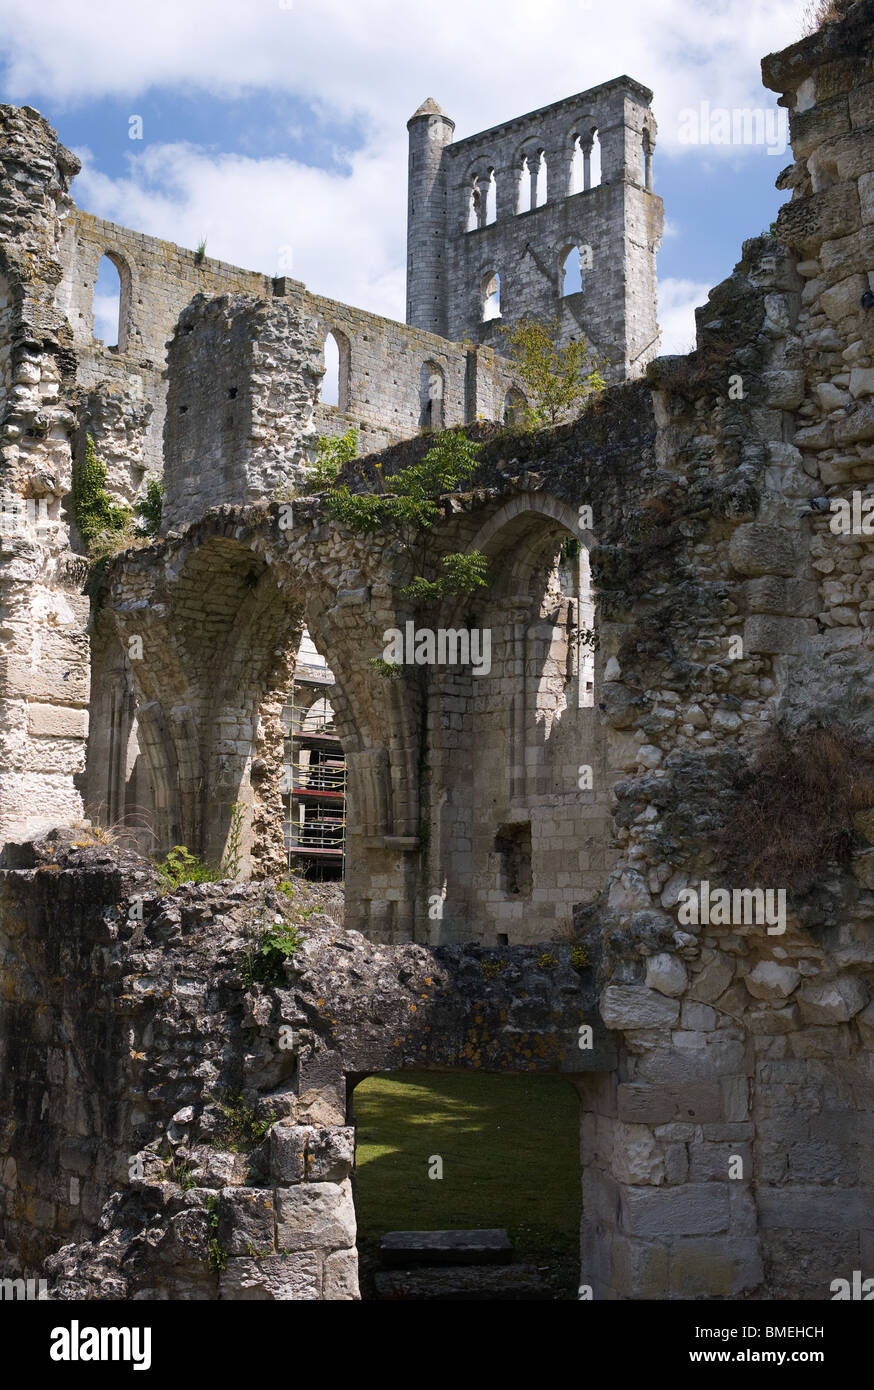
column 335, row 383
column 540, row 189
column 474, row 205
column 490, row 293
column 491, row 199
column 578, row 178
column 595, row 161
column 575, row 261
column 523, row 199
column 110, row 303
column 330, row 391
column 431, row 382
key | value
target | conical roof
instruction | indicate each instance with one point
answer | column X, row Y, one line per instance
column 430, row 107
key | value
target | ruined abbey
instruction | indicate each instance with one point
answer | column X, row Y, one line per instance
column 645, row 864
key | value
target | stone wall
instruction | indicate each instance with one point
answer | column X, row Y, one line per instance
column 385, row 368
column 119, row 1114
column 43, row 653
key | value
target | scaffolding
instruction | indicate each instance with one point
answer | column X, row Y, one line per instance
column 314, row 779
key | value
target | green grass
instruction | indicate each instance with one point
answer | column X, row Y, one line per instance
column 510, row 1150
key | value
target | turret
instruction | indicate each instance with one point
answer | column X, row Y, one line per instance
column 430, row 132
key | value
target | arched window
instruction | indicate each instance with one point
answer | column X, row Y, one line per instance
column 523, row 199
column 474, row 203
column 110, row 303
column 490, row 293
column 491, row 199
column 515, row 407
column 335, row 383
column 540, row 190
column 578, row 178
column 431, row 383
column 575, row 261
column 595, row 161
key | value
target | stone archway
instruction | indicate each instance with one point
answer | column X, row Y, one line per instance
column 518, row 805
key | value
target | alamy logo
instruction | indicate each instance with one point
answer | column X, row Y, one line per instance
column 447, row 646
column 740, row 907
column 26, row 1289
column 75, row 1343
column 857, row 1288
column 721, row 125
column 853, row 516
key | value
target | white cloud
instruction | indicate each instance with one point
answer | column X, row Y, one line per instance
column 341, row 233
column 678, row 300
column 378, row 61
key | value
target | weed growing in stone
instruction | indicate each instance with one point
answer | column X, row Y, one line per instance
column 263, row 963
column 240, row 1130
column 217, row 1258
column 181, row 866
column 231, row 862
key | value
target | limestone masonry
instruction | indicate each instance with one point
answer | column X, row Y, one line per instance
column 523, row 844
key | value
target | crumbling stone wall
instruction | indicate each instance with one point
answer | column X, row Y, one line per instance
column 44, row 657
column 115, row 1093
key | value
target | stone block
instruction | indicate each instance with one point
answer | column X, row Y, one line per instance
column 666, row 974
column 756, row 549
column 246, row 1221
column 634, row 1006
column 278, row 1278
column 694, row 1209
column 836, row 1001
column 315, row 1216
column 764, row 633
column 726, row 1268
column 401, row 1248
column 814, row 1208
column 770, row 980
column 340, row 1279
column 56, row 721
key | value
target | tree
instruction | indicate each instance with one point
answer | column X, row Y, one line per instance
column 557, row 380
column 332, row 451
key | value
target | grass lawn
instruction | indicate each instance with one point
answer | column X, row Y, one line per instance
column 510, row 1149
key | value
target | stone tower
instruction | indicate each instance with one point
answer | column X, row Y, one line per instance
column 515, row 221
column 430, row 133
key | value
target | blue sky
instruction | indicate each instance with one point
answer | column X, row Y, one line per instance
column 277, row 129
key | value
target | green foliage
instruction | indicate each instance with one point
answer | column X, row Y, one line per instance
column 200, row 253
column 570, row 549
column 231, row 862
column 547, row 961
column 332, row 451
column 101, row 523
column 557, row 380
column 180, row 866
column 240, row 1130
column 391, row 670
column 579, row 957
column 149, row 509
column 179, row 1171
column 264, row 964
column 462, row 576
column 411, row 501
column 407, row 504
column 217, row 1256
